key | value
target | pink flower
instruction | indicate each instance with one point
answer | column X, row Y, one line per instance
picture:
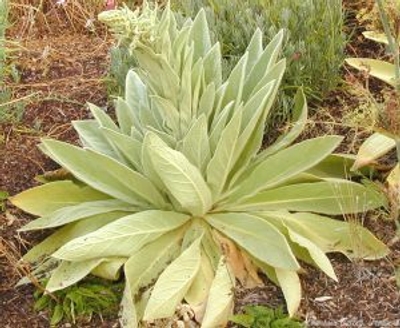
column 110, row 4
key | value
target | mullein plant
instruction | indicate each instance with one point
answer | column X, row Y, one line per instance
column 387, row 135
column 179, row 193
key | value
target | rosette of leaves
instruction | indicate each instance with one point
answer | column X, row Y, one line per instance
column 180, row 195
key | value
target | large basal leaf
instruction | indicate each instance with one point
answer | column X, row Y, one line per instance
column 106, row 174
column 326, row 197
column 143, row 268
column 69, row 273
column 316, row 254
column 284, row 165
column 183, row 180
column 198, row 291
column 260, row 238
column 220, row 299
column 374, row 147
column 48, row 246
column 123, row 237
column 331, row 235
column 380, row 69
column 81, row 211
column 45, row 199
column 173, row 283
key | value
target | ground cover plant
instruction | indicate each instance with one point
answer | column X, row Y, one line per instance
column 179, row 194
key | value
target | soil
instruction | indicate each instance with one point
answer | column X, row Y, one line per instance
column 61, row 70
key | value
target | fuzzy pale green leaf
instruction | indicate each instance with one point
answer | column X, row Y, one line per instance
column 123, row 237
column 173, row 283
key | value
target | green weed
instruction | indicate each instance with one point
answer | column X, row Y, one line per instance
column 264, row 317
column 3, row 197
column 81, row 301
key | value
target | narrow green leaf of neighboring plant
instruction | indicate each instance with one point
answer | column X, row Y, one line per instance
column 291, row 288
column 220, row 299
column 285, row 164
column 183, row 180
column 260, row 238
column 380, row 69
column 107, row 175
column 327, row 197
column 374, row 147
column 173, row 283
column 123, row 237
column 68, row 273
column 54, row 196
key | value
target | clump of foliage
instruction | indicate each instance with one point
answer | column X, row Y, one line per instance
column 178, row 192
column 81, row 301
column 256, row 316
column 313, row 59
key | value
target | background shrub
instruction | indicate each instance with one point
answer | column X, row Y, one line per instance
column 314, row 45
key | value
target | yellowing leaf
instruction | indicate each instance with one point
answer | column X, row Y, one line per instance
column 380, row 69
column 257, row 236
column 374, row 147
column 173, row 284
column 237, row 262
column 220, row 302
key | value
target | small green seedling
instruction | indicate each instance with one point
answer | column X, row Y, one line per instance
column 81, row 301
column 255, row 316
